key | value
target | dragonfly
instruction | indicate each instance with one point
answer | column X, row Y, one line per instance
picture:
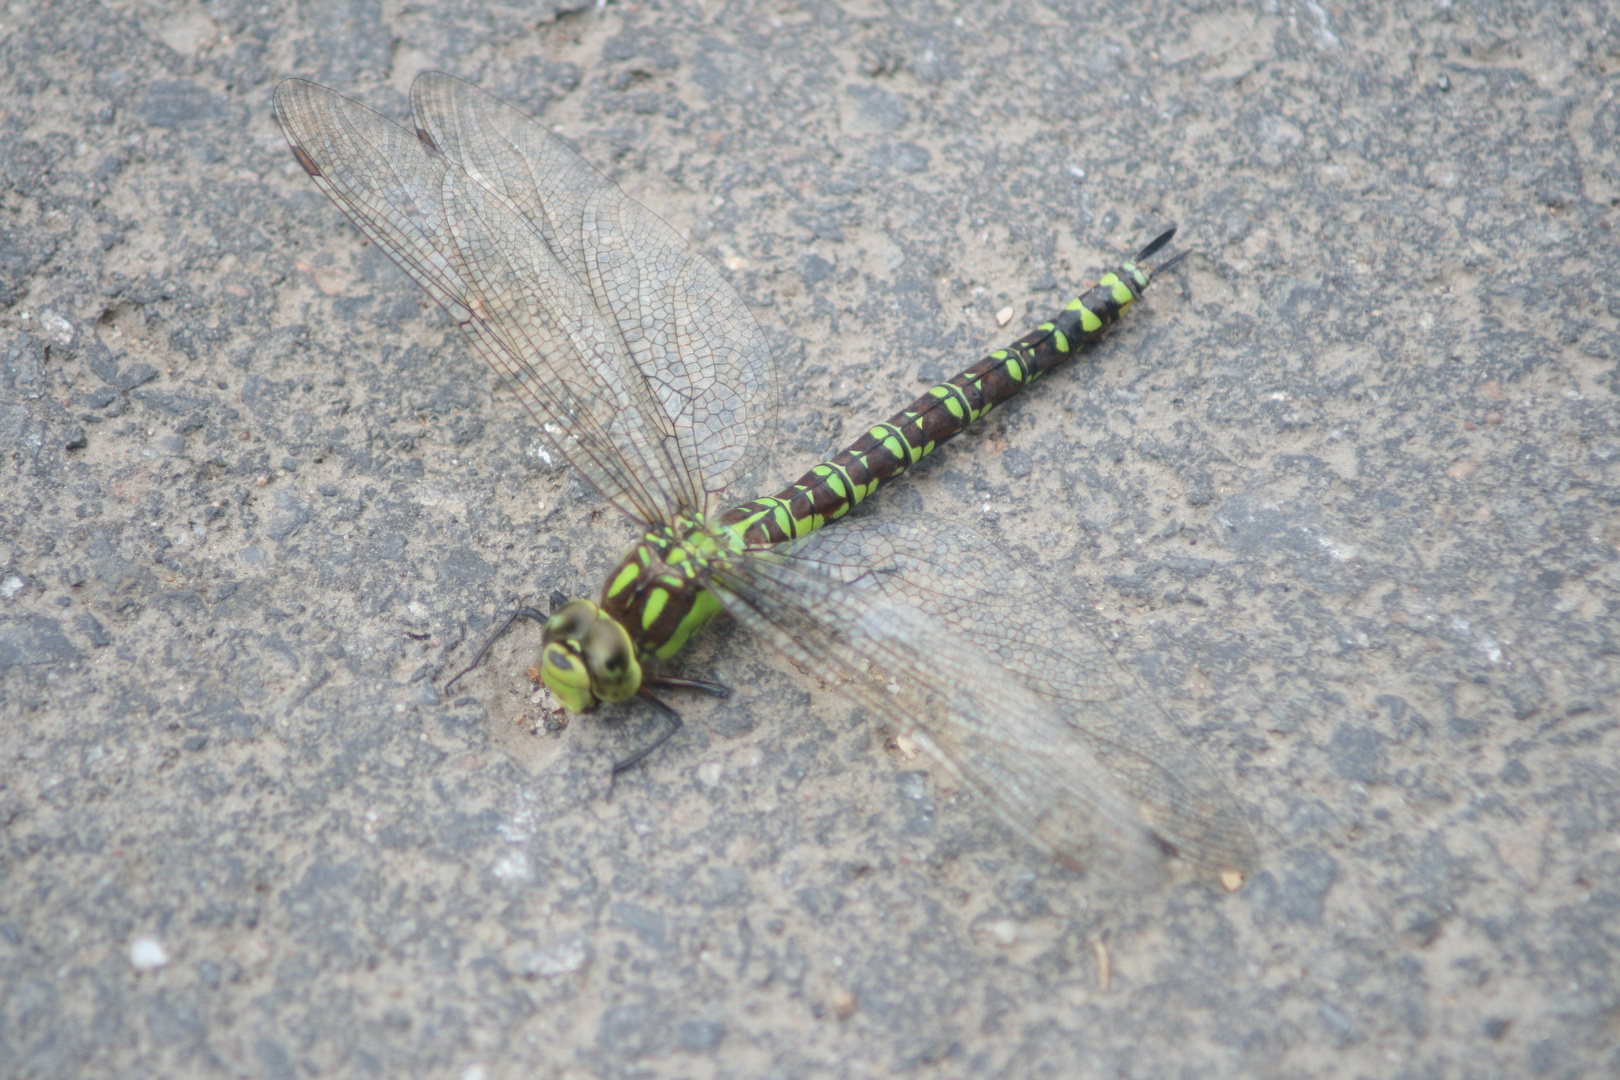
column 646, row 372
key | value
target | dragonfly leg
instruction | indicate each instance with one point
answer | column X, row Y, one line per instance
column 639, row 756
column 521, row 613
column 663, row 709
column 675, row 682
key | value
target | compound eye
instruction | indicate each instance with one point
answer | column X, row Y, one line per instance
column 612, row 661
column 607, row 651
column 570, row 622
column 564, row 671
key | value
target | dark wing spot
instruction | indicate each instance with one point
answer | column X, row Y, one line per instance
column 306, row 161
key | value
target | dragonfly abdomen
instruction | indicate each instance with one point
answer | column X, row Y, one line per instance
column 836, row 486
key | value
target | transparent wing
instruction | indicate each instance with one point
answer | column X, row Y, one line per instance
column 518, row 300
column 688, row 331
column 931, row 624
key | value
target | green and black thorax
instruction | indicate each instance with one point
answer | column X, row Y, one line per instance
column 651, row 605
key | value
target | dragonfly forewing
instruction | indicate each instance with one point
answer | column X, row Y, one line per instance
column 496, row 276
column 687, row 329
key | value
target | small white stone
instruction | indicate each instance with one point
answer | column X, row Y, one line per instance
column 1003, row 932
column 146, row 954
column 513, row 866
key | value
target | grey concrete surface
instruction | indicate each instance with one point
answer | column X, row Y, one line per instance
column 1344, row 492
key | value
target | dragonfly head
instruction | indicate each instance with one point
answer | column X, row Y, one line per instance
column 587, row 657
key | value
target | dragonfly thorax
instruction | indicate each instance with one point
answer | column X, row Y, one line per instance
column 652, row 602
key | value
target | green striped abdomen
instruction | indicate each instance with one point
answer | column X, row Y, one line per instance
column 836, row 486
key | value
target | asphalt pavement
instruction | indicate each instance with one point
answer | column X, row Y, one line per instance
column 1343, row 493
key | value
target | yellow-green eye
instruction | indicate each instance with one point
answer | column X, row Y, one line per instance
column 564, row 672
column 570, row 622
column 588, row 657
column 615, row 671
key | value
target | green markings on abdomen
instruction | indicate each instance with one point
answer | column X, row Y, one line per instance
column 838, row 485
